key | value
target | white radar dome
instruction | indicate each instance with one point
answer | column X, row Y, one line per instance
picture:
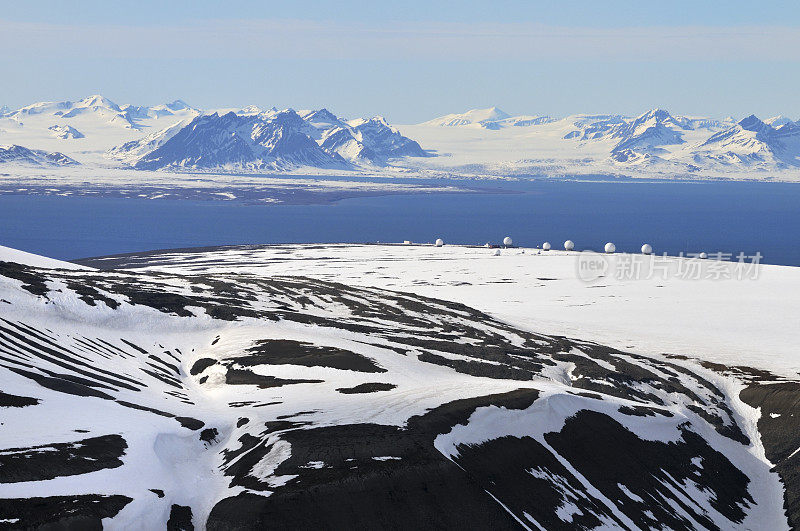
column 546, row 246
column 569, row 245
column 610, row 248
column 439, row 242
column 647, row 249
column 507, row 240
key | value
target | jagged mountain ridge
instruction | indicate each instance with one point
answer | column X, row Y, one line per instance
column 249, row 141
column 33, row 157
column 752, row 141
column 371, row 140
column 270, row 140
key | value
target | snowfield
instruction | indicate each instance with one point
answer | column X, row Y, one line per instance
column 390, row 385
column 706, row 313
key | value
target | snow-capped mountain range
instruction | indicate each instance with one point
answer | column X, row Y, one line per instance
column 653, row 143
column 97, row 106
column 99, row 134
column 179, row 137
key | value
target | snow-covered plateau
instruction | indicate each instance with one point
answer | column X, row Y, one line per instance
column 97, row 143
column 396, row 386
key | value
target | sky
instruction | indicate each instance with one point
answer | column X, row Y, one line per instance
column 409, row 61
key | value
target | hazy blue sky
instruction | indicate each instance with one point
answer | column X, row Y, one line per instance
column 409, row 60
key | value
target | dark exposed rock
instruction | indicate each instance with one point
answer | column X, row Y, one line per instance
column 642, row 411
column 190, row 423
column 209, row 435
column 779, row 426
column 83, row 512
column 421, row 489
column 284, row 351
column 9, row 400
column 32, row 280
column 61, row 459
column 201, row 365
column 596, row 444
column 366, row 388
column 478, row 368
column 243, row 377
column 180, row 518
column 91, row 295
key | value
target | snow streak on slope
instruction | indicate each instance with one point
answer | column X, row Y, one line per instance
column 245, row 401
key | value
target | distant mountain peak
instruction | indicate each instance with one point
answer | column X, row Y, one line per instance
column 777, row 121
column 753, row 123
column 65, row 132
column 379, row 120
column 97, row 100
column 322, row 116
column 472, row 116
column 249, row 109
column 657, row 112
column 177, row 105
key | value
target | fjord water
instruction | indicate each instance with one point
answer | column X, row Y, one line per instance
column 728, row 217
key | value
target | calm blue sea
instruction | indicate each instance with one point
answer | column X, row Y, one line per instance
column 673, row 217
